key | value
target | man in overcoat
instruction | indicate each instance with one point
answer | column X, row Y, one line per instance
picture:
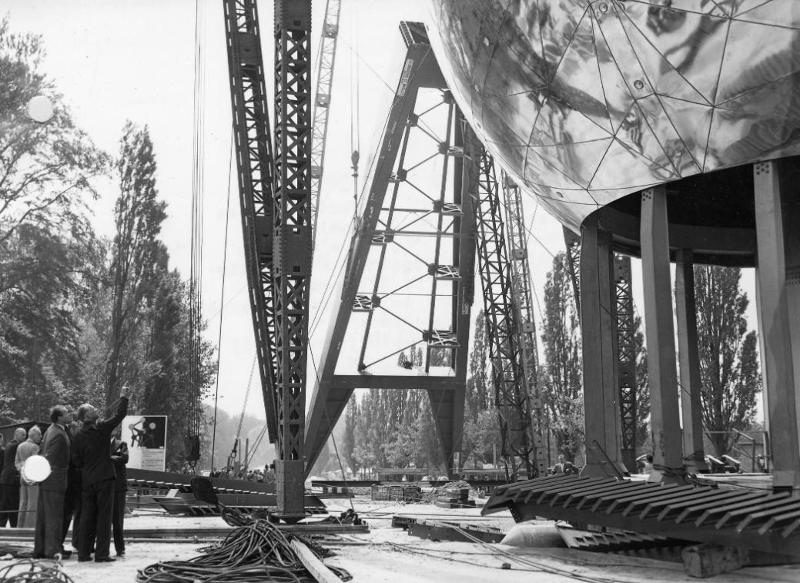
column 56, row 447
column 92, row 453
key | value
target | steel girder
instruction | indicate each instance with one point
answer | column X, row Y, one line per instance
column 626, row 359
column 254, row 164
column 523, row 311
column 505, row 354
column 407, row 284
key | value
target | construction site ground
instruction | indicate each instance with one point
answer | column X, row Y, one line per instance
column 388, row 554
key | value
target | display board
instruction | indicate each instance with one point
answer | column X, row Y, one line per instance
column 146, row 436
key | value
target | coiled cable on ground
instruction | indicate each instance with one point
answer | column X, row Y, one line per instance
column 256, row 551
column 34, row 571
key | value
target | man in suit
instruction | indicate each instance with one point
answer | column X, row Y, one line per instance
column 72, row 497
column 56, row 448
column 119, row 457
column 92, row 453
column 9, row 480
column 28, row 492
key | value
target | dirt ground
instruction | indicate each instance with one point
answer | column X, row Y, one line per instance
column 390, row 555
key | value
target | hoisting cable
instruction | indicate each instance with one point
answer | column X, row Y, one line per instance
column 196, row 277
column 221, row 304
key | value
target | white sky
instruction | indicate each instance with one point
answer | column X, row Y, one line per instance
column 115, row 61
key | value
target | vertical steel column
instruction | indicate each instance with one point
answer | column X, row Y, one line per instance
column 691, row 406
column 511, row 399
column 626, row 359
column 292, row 244
column 254, row 162
column 599, row 338
column 662, row 375
column 778, row 279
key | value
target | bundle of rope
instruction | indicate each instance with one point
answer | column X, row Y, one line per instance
column 257, row 551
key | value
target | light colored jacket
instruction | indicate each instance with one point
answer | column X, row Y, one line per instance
column 25, row 450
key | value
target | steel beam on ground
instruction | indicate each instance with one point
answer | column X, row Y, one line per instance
column 661, row 367
column 778, row 299
column 598, row 331
column 691, row 405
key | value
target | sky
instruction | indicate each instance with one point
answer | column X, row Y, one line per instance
column 135, row 60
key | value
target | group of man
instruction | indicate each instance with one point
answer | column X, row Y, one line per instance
column 86, row 485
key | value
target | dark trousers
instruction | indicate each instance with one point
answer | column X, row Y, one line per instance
column 72, row 512
column 117, row 520
column 9, row 504
column 49, row 518
column 97, row 503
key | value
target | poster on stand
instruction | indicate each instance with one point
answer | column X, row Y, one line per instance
column 146, row 436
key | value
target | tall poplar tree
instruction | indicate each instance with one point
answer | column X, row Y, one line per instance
column 561, row 389
column 728, row 354
column 138, row 216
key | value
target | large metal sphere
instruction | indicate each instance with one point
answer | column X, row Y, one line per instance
column 584, row 102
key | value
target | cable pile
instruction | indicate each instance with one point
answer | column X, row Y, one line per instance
column 252, row 553
column 34, row 571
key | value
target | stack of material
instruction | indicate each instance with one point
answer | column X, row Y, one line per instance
column 396, row 492
column 454, row 495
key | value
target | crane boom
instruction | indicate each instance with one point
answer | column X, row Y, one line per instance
column 254, row 163
column 322, row 103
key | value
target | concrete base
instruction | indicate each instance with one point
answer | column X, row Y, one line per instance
column 289, row 486
column 707, row 560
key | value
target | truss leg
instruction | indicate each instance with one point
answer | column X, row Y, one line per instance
column 686, row 317
column 599, row 333
column 778, row 279
column 661, row 369
column 426, row 223
column 448, row 415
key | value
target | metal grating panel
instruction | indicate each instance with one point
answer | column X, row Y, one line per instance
column 696, row 512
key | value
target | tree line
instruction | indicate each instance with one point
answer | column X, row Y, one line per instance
column 82, row 314
column 390, row 428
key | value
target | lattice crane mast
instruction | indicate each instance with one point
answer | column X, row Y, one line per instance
column 512, row 399
column 522, row 298
column 275, row 198
column 322, row 103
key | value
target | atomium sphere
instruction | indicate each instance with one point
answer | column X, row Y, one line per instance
column 584, row 102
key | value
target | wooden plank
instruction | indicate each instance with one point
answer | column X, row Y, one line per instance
column 313, row 565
